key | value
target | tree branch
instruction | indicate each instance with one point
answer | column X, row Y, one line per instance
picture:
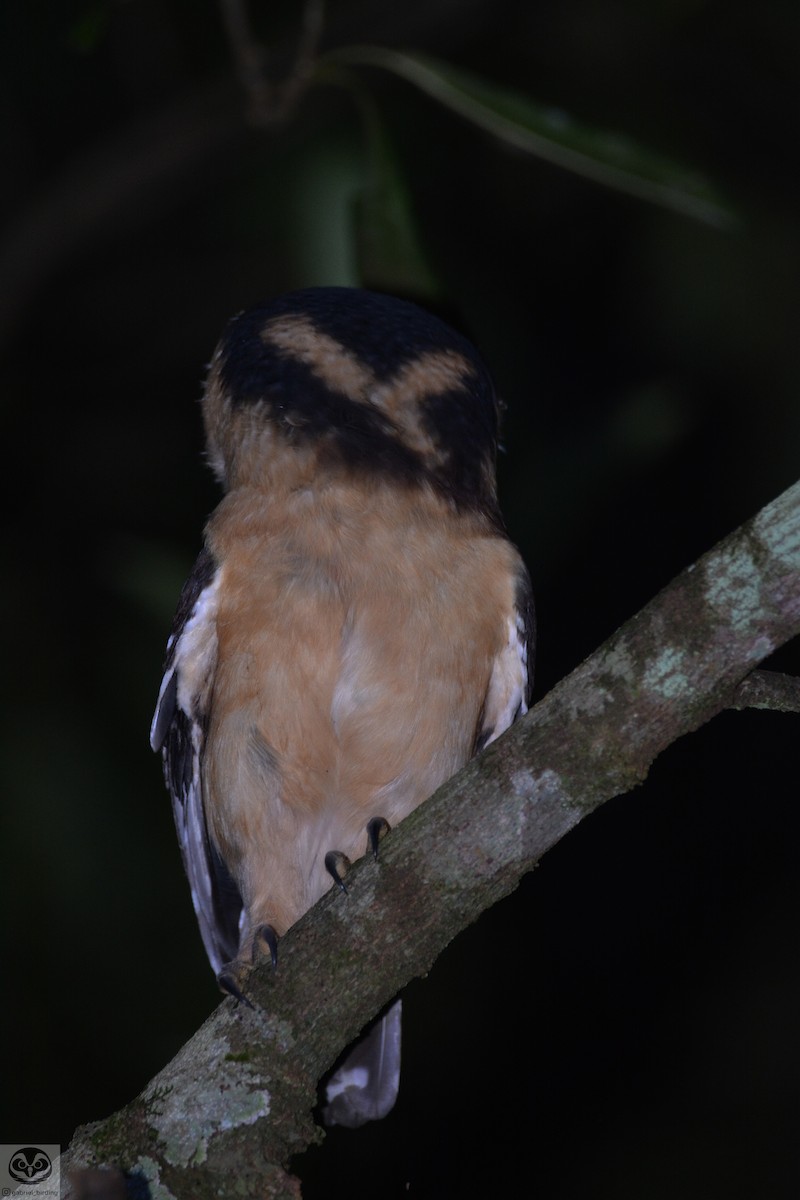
column 239, row 1094
column 270, row 101
column 768, row 689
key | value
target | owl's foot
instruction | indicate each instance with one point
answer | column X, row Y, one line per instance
column 234, row 975
column 337, row 865
column 377, row 829
column 232, row 979
column 265, row 944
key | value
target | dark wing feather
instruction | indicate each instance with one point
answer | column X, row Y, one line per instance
column 178, row 731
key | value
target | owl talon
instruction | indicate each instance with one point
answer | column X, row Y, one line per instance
column 265, row 942
column 228, row 981
column 337, row 865
column 377, row 829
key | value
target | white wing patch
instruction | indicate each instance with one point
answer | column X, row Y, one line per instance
column 507, row 695
column 193, row 654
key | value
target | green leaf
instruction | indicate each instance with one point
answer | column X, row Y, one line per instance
column 516, row 120
column 388, row 245
column 390, row 254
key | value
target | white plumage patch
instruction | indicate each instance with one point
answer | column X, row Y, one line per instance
column 193, row 654
column 506, row 698
column 348, row 1077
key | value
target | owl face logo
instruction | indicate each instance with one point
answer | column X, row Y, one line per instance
column 30, row 1165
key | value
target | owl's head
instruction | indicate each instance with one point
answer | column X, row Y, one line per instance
column 348, row 381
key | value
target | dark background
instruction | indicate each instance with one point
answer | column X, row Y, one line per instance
column 625, row 1025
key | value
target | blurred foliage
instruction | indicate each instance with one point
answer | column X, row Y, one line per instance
column 550, row 134
column 625, row 1024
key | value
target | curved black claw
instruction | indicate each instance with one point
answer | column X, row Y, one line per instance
column 265, row 941
column 227, row 982
column 337, row 865
column 377, row 829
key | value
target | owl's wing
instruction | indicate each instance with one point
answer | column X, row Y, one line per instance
column 178, row 731
column 511, row 683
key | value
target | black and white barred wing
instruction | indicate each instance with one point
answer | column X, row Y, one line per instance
column 178, row 731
